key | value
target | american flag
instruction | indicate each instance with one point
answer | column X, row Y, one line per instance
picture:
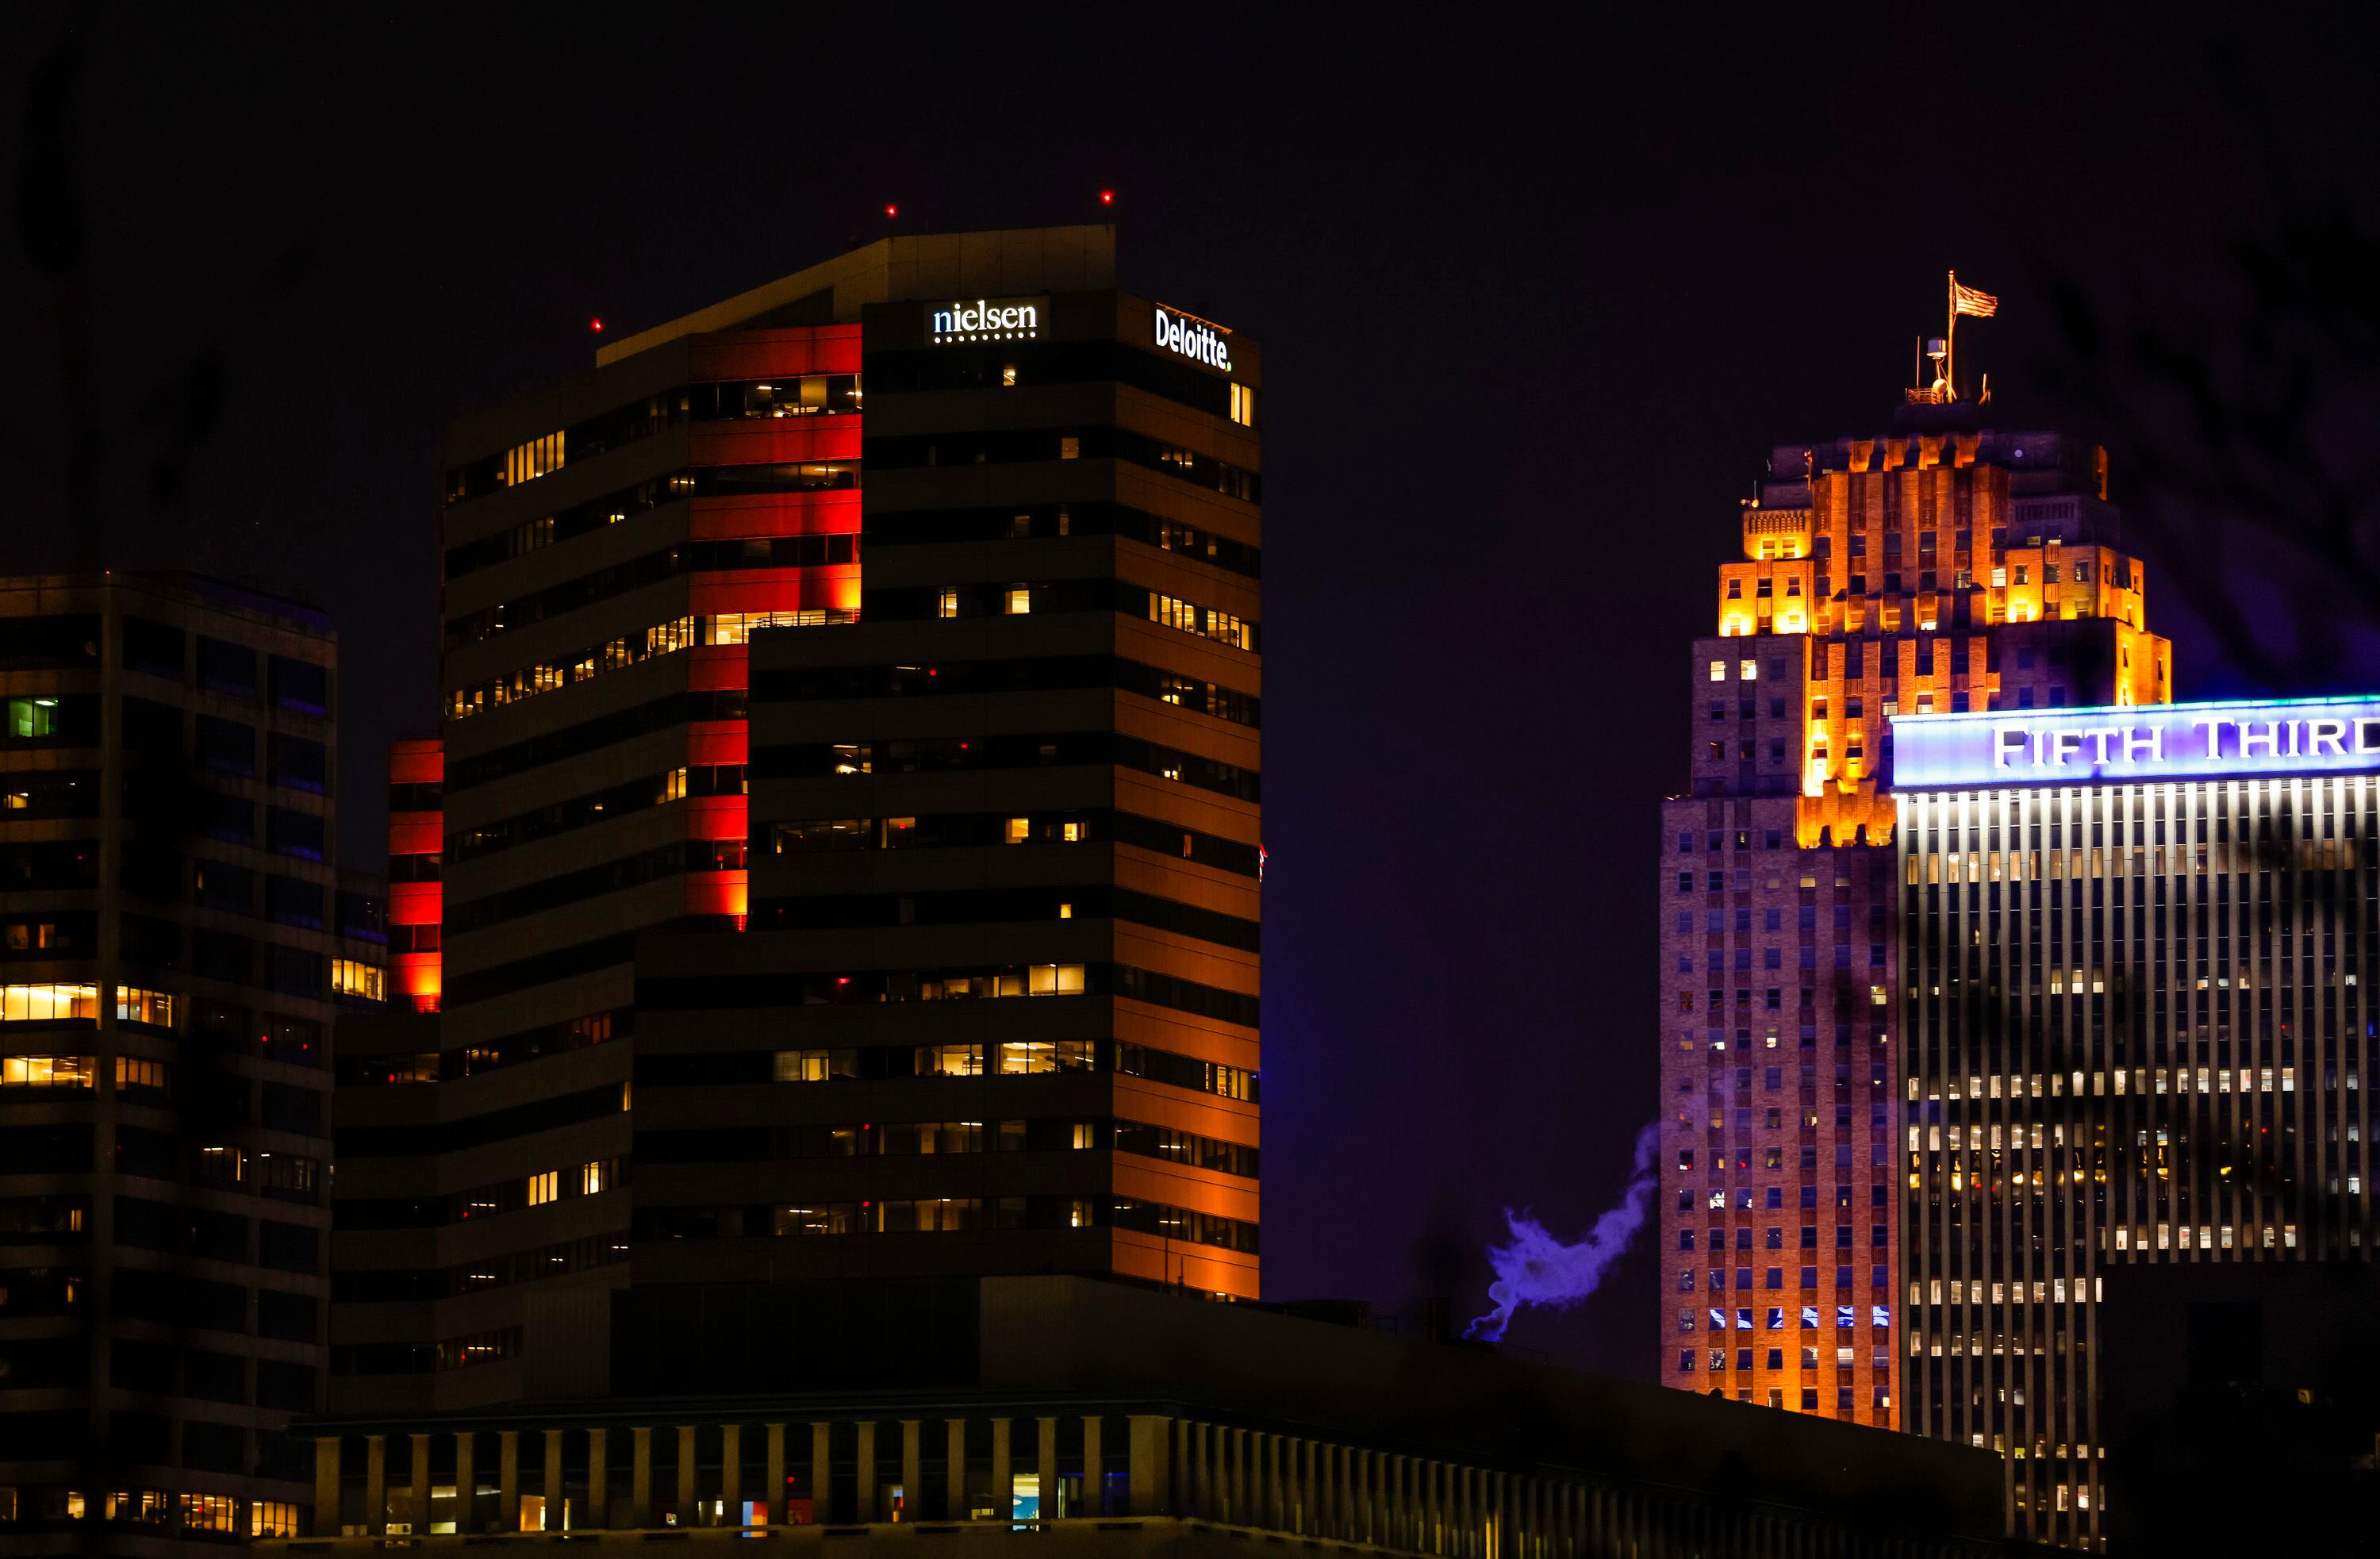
column 1968, row 300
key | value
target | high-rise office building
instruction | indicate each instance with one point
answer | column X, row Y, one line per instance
column 2136, row 948
column 1020, row 760
column 172, row 950
column 1944, row 566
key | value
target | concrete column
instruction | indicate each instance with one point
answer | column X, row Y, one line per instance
column 467, row 1480
column 1202, row 1483
column 866, row 1511
column 556, row 1493
column 326, row 1487
column 419, row 1485
column 731, row 1473
column 1152, row 1493
column 1045, row 1465
column 640, row 1477
column 821, row 1498
column 775, row 1494
column 508, row 1480
column 913, row 1471
column 599, row 1477
column 954, row 1494
column 1301, row 1486
column 1003, row 1486
column 1243, row 1486
column 1094, row 1483
column 687, row 1516
column 376, row 1484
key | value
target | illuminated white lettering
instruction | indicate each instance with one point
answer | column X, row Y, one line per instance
column 2250, row 741
column 2144, row 742
column 2006, row 740
column 2367, row 733
column 2214, row 729
column 1194, row 339
column 2327, row 736
column 2100, row 736
column 2059, row 748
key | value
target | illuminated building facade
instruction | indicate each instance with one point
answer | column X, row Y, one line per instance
column 2136, row 948
column 692, row 837
column 174, row 951
column 1946, row 565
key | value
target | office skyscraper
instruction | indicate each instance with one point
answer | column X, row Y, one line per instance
column 172, row 943
column 774, row 755
column 1945, row 565
column 2136, row 953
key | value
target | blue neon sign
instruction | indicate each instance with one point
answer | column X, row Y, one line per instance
column 2137, row 743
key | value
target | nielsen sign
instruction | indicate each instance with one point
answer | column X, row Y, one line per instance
column 986, row 320
column 2137, row 743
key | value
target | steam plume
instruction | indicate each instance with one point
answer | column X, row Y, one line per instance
column 1536, row 1269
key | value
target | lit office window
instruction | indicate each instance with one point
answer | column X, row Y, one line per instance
column 1020, row 600
column 1243, row 405
column 544, row 1187
column 947, row 604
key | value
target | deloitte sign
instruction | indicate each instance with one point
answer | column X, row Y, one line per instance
column 1015, row 319
column 1187, row 335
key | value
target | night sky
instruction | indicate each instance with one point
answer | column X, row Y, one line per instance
column 1534, row 302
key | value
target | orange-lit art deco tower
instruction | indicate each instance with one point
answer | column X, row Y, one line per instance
column 1944, row 566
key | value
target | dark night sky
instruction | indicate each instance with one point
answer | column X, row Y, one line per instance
column 1535, row 303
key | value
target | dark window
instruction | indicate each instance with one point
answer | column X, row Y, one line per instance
column 212, row 1447
column 291, row 1247
column 214, row 1377
column 294, row 903
column 156, row 648
column 152, row 728
column 217, row 886
column 222, row 956
column 226, row 668
column 299, row 763
column 227, row 818
column 301, row 686
column 297, row 972
column 289, row 1387
column 48, row 643
column 228, row 746
column 294, row 834
column 289, row 1108
column 291, row 1316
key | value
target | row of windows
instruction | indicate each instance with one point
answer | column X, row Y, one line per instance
column 613, row 801
column 1007, row 675
column 979, row 983
column 673, row 860
column 914, row 1139
column 615, row 509
column 619, row 578
column 975, row 830
column 1879, row 1280
column 461, row 1352
column 930, row 527
column 1773, row 1238
column 911, row 451
column 509, row 1195
column 210, row 1515
column 633, row 649
column 472, row 1059
column 424, row 1284
column 622, row 425
column 134, row 1075
column 1090, row 901
column 963, row 755
column 592, row 735
column 1009, row 364
column 946, row 1216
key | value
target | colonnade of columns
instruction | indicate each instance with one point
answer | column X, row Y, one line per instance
column 1145, row 1450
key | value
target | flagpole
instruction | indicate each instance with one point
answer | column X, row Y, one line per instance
column 1950, row 341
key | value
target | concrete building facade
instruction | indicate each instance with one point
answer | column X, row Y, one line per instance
column 1946, row 565
column 2136, row 953
column 173, row 950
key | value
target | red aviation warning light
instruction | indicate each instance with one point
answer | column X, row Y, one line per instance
column 890, row 211
column 596, row 325
column 1107, row 197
